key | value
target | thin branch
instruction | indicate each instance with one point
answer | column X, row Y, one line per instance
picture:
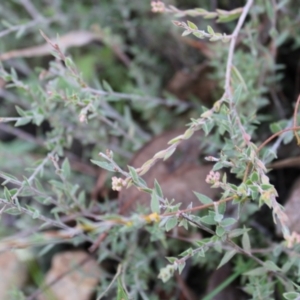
column 132, row 97
column 264, row 144
column 278, row 142
column 276, row 135
column 227, row 86
column 37, row 170
column 118, row 273
column 76, row 163
column 235, row 33
column 26, row 26
column 200, row 207
column 21, row 134
column 237, row 248
column 34, row 215
column 34, row 13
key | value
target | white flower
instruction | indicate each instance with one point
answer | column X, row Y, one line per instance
column 157, row 6
column 117, row 183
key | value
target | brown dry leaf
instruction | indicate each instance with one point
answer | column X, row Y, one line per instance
column 178, row 176
column 202, row 46
column 185, row 83
column 49, row 236
column 291, row 209
column 80, row 280
column 13, row 273
column 186, row 179
column 71, row 39
column 231, row 292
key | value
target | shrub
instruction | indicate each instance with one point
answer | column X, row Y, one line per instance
column 65, row 113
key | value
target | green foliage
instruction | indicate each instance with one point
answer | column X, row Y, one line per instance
column 107, row 101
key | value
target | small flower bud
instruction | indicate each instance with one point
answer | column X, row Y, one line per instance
column 117, row 183
column 157, row 6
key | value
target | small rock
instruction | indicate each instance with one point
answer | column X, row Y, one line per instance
column 79, row 283
column 13, row 273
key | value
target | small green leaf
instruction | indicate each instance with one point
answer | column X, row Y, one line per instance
column 215, row 38
column 288, row 264
column 246, row 242
column 239, row 77
column 219, row 165
column 6, row 24
column 57, row 184
column 13, row 211
column 171, row 259
column 192, row 25
column 270, row 265
column 8, row 177
column 106, row 86
column 228, row 16
column 169, row 153
column 175, row 140
column 218, row 217
column 210, row 30
column 7, row 194
column 201, row 11
column 228, row 222
column 226, row 258
column 210, row 15
column 186, row 32
column 187, row 252
column 224, row 178
column 20, row 111
column 198, row 34
column 134, row 174
column 188, row 133
column 36, row 214
column 39, row 185
column 184, row 224
column 66, row 169
column 154, row 202
column 146, row 190
column 158, row 189
column 104, row 165
column 69, row 62
column 266, row 186
column 277, row 250
column 23, row 121
column 275, row 127
column 208, row 220
column 222, row 208
column 220, row 231
column 288, row 137
column 121, row 294
column 254, row 177
column 38, row 119
column 201, row 253
column 291, row 295
column 203, row 199
column 181, row 267
column 235, row 232
column 171, row 223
